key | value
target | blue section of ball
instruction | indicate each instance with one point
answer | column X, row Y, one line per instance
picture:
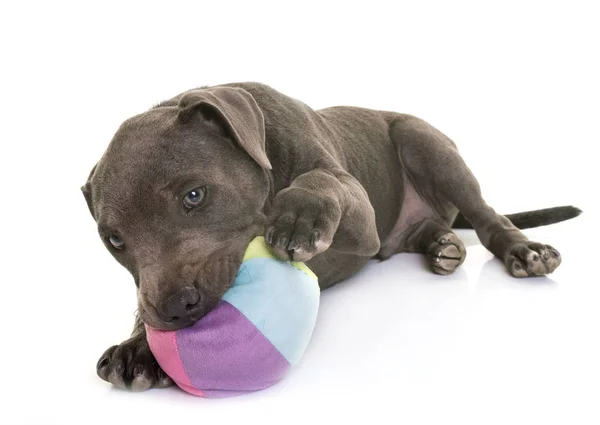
column 280, row 300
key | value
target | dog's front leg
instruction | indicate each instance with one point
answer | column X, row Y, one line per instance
column 131, row 364
column 322, row 209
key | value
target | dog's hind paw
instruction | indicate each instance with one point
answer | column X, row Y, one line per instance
column 526, row 259
column 446, row 253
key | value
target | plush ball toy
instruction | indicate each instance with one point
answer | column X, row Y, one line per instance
column 259, row 329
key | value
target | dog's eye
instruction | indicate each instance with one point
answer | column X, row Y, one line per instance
column 194, row 197
column 116, row 242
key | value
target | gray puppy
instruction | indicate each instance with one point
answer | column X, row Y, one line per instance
column 184, row 187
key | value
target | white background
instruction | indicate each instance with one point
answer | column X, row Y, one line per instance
column 515, row 85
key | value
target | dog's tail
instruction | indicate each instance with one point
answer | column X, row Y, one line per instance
column 529, row 219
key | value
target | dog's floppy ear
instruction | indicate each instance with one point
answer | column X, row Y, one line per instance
column 237, row 112
column 86, row 189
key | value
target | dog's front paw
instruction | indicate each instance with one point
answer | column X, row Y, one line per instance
column 131, row 365
column 531, row 259
column 301, row 224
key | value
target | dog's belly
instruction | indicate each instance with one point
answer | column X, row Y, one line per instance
column 413, row 209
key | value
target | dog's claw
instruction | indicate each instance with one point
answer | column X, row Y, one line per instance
column 314, row 237
column 269, row 236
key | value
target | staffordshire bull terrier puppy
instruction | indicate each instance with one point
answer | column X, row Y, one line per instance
column 185, row 186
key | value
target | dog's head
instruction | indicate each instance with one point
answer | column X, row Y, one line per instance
column 177, row 197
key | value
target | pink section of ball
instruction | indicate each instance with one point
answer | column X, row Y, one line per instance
column 164, row 347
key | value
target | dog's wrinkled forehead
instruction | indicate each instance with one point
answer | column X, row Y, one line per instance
column 150, row 152
column 147, row 145
column 215, row 137
column 136, row 183
column 155, row 158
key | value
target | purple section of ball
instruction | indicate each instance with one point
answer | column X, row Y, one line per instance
column 224, row 354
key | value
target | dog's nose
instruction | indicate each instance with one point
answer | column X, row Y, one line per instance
column 177, row 307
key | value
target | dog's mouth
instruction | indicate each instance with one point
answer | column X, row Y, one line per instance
column 186, row 306
column 193, row 316
column 172, row 298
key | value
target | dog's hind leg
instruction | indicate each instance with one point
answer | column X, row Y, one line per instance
column 441, row 177
column 424, row 228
